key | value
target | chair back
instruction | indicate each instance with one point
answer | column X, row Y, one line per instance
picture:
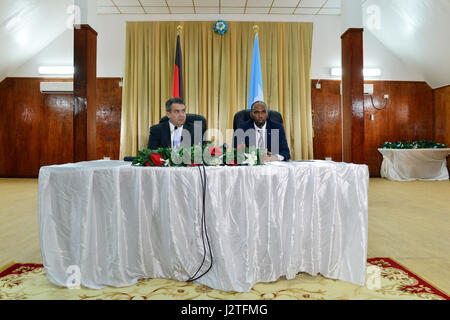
column 244, row 115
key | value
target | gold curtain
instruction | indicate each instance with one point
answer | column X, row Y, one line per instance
column 216, row 70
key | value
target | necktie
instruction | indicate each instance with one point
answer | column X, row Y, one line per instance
column 260, row 140
column 176, row 137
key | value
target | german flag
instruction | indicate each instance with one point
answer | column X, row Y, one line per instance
column 178, row 88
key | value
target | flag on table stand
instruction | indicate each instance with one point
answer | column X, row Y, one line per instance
column 256, row 85
column 178, row 88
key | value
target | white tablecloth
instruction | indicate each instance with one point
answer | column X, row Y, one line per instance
column 120, row 223
column 414, row 164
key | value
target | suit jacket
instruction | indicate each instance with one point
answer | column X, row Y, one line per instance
column 160, row 135
column 270, row 125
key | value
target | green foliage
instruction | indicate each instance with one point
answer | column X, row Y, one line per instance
column 422, row 144
column 196, row 155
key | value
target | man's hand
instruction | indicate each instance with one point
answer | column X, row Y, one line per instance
column 273, row 159
column 270, row 158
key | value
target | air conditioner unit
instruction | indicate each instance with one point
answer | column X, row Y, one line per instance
column 56, row 87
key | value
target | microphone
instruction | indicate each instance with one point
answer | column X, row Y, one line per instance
column 224, row 148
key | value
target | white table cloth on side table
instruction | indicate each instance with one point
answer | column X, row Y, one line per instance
column 414, row 164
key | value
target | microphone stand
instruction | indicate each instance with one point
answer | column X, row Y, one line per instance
column 224, row 153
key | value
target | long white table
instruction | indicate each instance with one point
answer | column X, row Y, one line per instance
column 414, row 164
column 116, row 224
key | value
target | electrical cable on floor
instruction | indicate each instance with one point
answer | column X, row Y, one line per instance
column 204, row 229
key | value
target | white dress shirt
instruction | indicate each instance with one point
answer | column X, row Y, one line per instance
column 262, row 131
column 172, row 132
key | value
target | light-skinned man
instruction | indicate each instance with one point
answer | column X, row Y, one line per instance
column 176, row 131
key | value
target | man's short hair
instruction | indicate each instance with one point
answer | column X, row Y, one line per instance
column 171, row 101
column 259, row 102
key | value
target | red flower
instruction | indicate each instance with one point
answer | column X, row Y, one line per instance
column 194, row 164
column 147, row 164
column 233, row 163
column 156, row 159
column 239, row 147
column 214, row 151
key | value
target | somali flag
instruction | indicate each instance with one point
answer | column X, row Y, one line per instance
column 256, row 85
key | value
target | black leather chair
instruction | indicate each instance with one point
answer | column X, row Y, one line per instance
column 190, row 118
column 244, row 115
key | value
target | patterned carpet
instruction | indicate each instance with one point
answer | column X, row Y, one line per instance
column 386, row 280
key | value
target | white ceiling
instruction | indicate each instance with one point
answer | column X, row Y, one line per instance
column 416, row 31
column 271, row 7
column 26, row 27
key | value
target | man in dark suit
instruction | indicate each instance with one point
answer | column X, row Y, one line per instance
column 263, row 133
column 174, row 132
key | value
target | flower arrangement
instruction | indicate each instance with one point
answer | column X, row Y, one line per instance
column 422, row 144
column 220, row 27
column 207, row 155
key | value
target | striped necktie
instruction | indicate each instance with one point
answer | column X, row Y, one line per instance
column 260, row 139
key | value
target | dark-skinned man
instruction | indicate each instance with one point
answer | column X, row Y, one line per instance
column 263, row 133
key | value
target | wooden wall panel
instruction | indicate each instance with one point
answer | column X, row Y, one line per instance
column 6, row 126
column 377, row 131
column 326, row 105
column 441, row 99
column 85, row 93
column 37, row 129
column 25, row 134
column 412, row 104
column 56, row 129
column 441, row 102
column 352, row 96
column 109, row 110
column 20, row 119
